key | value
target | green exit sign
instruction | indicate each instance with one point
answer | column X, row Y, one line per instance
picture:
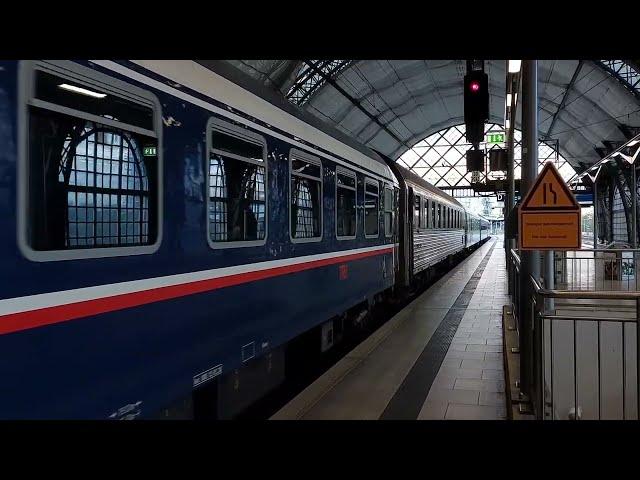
column 495, row 138
column 149, row 151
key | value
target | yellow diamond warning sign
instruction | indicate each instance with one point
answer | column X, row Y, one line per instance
column 549, row 216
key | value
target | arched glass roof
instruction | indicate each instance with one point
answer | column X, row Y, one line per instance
column 441, row 157
column 626, row 73
column 389, row 105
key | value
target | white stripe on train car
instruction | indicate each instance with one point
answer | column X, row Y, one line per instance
column 64, row 297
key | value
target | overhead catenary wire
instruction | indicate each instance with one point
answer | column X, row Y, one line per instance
column 614, row 118
column 374, row 91
column 595, row 68
column 578, row 97
column 356, row 92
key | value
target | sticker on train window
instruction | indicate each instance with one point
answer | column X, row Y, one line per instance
column 149, row 151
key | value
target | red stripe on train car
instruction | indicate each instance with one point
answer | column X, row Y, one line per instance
column 16, row 322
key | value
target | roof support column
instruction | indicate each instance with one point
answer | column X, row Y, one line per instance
column 634, row 208
column 530, row 259
column 595, row 213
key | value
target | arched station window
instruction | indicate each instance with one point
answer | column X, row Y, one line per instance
column 93, row 167
column 107, row 188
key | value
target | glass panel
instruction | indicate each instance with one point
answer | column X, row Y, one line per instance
column 426, row 213
column 305, row 168
column 346, row 180
column 433, row 215
column 237, row 200
column 237, row 146
column 371, row 209
column 73, row 205
column 441, row 158
column 346, row 209
column 388, row 212
column 371, row 188
column 89, row 99
column 305, row 207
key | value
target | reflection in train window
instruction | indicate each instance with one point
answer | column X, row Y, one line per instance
column 306, row 197
column 426, row 213
column 346, row 218
column 433, row 214
column 388, row 212
column 95, row 177
column 371, row 208
column 236, row 187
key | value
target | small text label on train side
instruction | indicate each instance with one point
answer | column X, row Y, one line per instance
column 128, row 412
column 207, row 375
column 343, row 271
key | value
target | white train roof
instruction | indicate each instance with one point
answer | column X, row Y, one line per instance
column 256, row 104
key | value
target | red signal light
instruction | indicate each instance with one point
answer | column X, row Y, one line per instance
column 475, row 86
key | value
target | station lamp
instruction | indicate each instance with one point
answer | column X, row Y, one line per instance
column 514, row 66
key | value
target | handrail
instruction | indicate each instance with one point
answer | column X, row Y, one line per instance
column 608, row 250
column 515, row 256
column 582, row 294
column 555, row 346
column 587, row 319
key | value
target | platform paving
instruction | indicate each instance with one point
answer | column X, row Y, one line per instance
column 439, row 358
column 470, row 382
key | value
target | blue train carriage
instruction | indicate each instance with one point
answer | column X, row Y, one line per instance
column 166, row 231
column 477, row 230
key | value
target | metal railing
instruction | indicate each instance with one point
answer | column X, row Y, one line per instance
column 586, row 361
column 612, row 269
column 513, row 278
column 585, row 346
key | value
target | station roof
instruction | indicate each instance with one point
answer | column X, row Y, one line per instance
column 390, row 105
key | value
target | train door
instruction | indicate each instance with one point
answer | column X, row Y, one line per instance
column 396, row 230
column 411, row 219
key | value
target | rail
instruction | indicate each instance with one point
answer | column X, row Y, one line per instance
column 586, row 361
column 601, row 269
column 584, row 355
column 513, row 277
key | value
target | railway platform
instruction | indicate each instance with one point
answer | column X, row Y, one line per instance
column 439, row 358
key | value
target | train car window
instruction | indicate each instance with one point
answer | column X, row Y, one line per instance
column 305, row 197
column 55, row 90
column 346, row 218
column 92, row 178
column 439, row 216
column 433, row 214
column 395, row 205
column 388, row 212
column 236, row 186
column 371, row 208
column 426, row 213
column 416, row 212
